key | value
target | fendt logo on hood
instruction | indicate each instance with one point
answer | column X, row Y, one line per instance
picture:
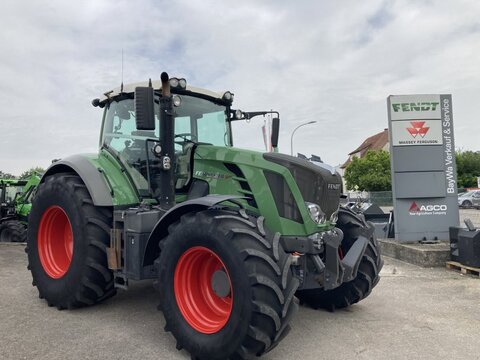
column 437, row 209
column 418, row 128
column 333, row 186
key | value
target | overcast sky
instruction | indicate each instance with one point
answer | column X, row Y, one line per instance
column 334, row 62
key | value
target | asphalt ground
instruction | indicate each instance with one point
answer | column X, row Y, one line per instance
column 413, row 313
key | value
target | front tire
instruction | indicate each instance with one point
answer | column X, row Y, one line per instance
column 67, row 240
column 227, row 291
column 367, row 277
column 13, row 231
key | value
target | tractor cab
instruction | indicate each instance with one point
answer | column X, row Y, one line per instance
column 197, row 121
column 201, row 117
column 9, row 190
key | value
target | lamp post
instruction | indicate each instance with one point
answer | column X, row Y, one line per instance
column 293, row 133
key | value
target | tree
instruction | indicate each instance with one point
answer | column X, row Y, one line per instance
column 26, row 174
column 369, row 173
column 4, row 175
column 468, row 168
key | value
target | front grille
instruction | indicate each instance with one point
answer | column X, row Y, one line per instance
column 312, row 181
column 284, row 201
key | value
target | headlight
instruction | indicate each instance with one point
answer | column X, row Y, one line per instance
column 334, row 217
column 177, row 100
column 238, row 114
column 315, row 212
column 173, row 82
column 228, row 96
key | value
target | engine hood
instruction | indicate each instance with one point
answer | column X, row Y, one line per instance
column 318, row 184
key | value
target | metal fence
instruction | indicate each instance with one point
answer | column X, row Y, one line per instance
column 380, row 198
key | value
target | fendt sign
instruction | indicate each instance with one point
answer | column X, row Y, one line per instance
column 423, row 166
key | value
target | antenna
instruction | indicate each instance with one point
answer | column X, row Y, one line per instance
column 121, row 86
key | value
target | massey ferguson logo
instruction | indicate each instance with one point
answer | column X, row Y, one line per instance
column 417, row 132
column 420, row 210
column 418, row 128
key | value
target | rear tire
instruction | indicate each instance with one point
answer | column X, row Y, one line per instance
column 254, row 316
column 67, row 240
column 13, row 231
column 349, row 293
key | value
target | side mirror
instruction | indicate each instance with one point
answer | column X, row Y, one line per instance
column 144, row 108
column 275, row 131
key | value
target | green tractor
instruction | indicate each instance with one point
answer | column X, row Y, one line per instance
column 232, row 238
column 15, row 204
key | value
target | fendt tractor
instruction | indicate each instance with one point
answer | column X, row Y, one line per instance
column 15, row 204
column 233, row 238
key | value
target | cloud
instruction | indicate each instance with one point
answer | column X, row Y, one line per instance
column 331, row 62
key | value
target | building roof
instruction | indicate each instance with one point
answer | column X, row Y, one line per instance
column 374, row 142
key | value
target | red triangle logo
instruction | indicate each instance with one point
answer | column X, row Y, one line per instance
column 414, row 207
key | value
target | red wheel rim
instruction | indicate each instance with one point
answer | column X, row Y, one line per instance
column 55, row 242
column 202, row 308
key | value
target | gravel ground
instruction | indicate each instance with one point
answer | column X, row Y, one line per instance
column 414, row 313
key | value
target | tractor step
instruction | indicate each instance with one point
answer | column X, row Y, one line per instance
column 120, row 281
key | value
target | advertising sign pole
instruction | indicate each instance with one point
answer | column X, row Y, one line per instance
column 424, row 174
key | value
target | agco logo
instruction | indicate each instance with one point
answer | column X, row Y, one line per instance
column 418, row 128
column 418, row 106
column 437, row 209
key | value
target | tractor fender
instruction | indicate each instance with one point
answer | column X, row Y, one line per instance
column 160, row 229
column 90, row 175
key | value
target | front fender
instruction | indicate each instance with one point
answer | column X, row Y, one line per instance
column 91, row 176
column 160, row 230
column 106, row 180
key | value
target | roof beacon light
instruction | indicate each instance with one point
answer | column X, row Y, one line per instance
column 183, row 83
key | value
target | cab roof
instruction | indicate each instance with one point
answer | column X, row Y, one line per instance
column 157, row 85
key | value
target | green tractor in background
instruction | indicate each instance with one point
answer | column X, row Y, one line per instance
column 15, row 204
column 231, row 237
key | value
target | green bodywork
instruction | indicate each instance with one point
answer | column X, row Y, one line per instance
column 209, row 160
column 209, row 166
column 123, row 190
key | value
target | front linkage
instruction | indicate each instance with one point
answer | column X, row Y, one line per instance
column 319, row 260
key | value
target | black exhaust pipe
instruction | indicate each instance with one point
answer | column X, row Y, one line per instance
column 167, row 143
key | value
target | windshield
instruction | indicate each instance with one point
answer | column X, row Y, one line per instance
column 196, row 120
column 468, row 193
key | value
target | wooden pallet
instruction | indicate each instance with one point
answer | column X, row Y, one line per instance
column 464, row 269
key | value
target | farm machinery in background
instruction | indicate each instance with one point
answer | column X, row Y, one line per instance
column 15, row 204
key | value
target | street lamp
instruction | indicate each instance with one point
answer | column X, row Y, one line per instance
column 293, row 133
